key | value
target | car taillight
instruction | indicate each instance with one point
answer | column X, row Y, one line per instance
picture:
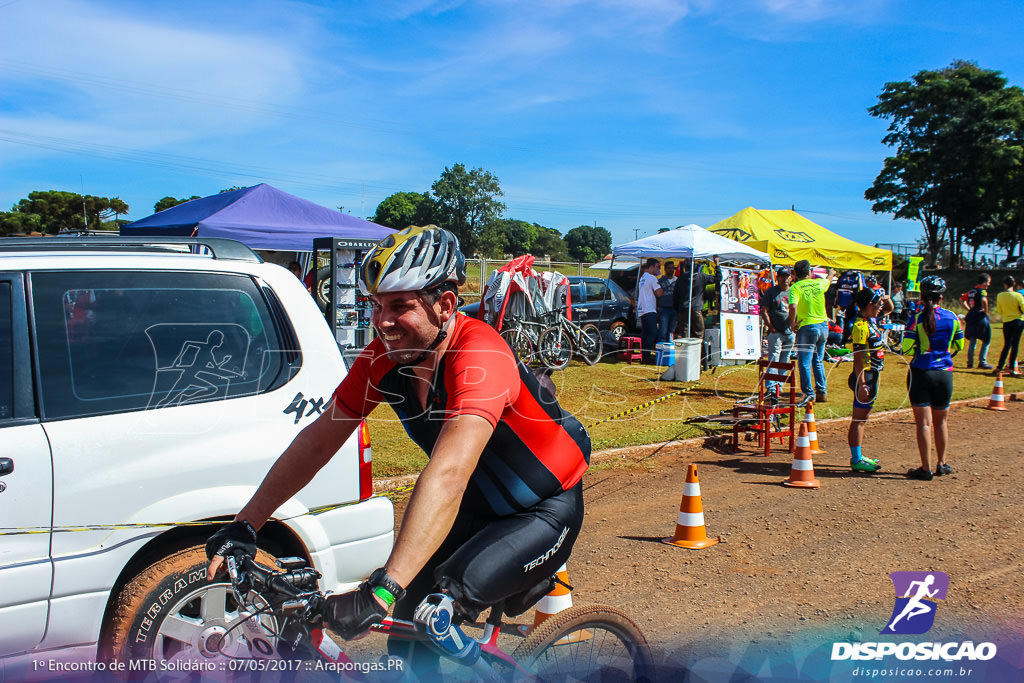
column 365, row 462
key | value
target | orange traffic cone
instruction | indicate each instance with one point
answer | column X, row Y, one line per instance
column 560, row 598
column 812, row 431
column 996, row 400
column 690, row 530
column 802, row 474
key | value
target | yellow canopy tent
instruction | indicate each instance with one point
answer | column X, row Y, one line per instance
column 788, row 237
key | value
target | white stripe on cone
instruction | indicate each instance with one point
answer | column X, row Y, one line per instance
column 690, row 519
column 802, row 464
column 691, row 489
column 553, row 604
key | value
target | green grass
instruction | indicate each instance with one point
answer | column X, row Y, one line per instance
column 606, row 397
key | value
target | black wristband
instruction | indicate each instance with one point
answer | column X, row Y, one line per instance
column 380, row 577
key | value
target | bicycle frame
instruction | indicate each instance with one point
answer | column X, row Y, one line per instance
column 300, row 613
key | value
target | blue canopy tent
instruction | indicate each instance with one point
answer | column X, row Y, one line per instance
column 260, row 216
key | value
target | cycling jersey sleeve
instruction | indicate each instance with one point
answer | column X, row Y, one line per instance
column 358, row 395
column 860, row 334
column 910, row 335
column 957, row 342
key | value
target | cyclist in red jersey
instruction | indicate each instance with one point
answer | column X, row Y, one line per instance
column 498, row 507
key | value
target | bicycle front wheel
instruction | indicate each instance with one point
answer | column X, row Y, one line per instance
column 554, row 347
column 587, row 643
column 590, row 346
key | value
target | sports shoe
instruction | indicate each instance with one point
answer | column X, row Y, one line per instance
column 943, row 469
column 970, row 365
column 865, row 465
column 983, row 366
column 920, row 473
column 821, row 397
column 807, row 398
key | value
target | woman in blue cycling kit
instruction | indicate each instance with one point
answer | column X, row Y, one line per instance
column 935, row 336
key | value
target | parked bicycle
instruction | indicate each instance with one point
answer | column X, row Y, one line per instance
column 563, row 338
column 276, row 623
column 523, row 337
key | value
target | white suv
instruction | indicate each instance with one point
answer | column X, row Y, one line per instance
column 144, row 393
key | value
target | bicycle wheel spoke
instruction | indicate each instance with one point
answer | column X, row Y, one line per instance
column 587, row 644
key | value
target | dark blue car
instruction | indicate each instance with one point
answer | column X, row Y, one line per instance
column 594, row 300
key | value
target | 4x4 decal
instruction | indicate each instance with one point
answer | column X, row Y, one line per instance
column 298, row 406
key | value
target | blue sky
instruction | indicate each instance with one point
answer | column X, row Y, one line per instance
column 629, row 114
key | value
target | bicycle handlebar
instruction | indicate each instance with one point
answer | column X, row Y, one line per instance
column 297, row 587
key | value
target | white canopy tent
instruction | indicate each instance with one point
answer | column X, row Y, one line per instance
column 692, row 242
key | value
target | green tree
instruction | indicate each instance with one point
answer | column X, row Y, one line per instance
column 168, row 202
column 588, row 243
column 516, row 236
column 54, row 210
column 549, row 242
column 467, row 202
column 952, row 131
column 403, row 209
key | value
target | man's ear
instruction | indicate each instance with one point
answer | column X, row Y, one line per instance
column 449, row 303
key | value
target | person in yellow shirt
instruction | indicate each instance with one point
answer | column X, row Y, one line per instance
column 1010, row 305
column 807, row 317
column 868, row 361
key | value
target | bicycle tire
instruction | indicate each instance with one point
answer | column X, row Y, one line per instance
column 590, row 346
column 554, row 347
column 587, row 642
column 520, row 344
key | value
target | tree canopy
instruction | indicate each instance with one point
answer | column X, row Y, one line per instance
column 168, row 202
column 467, row 203
column 403, row 209
column 53, row 210
column 588, row 243
column 957, row 137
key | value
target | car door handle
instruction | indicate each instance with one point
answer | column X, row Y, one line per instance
column 6, row 466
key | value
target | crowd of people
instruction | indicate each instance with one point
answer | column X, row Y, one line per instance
column 802, row 315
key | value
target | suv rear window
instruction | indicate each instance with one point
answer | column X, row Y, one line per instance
column 114, row 341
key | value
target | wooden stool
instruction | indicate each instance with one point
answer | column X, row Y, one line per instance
column 630, row 349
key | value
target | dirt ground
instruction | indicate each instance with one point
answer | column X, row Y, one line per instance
column 800, row 566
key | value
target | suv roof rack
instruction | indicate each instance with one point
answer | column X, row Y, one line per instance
column 218, row 247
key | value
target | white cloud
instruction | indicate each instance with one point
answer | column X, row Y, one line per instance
column 121, row 68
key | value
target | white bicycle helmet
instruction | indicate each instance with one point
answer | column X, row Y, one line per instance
column 413, row 259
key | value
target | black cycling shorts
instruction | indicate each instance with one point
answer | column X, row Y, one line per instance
column 930, row 387
column 484, row 561
column 871, row 380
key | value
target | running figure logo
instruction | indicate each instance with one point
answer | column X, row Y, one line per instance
column 916, row 593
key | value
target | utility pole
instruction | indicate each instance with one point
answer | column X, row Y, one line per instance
column 636, row 233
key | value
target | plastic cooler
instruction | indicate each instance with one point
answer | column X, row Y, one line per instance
column 687, row 366
column 664, row 354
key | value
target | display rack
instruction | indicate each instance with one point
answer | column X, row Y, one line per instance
column 348, row 311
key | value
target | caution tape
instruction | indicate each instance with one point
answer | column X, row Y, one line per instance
column 642, row 406
column 120, row 526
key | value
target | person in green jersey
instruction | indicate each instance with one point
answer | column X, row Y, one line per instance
column 807, row 317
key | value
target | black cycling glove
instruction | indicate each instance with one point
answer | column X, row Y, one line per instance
column 234, row 536
column 350, row 614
